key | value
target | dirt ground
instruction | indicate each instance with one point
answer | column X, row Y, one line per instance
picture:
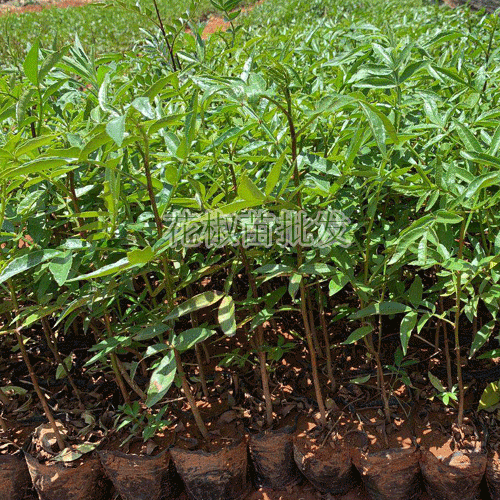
column 307, row 492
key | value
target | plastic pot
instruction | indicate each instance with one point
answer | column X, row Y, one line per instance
column 392, row 474
column 142, row 477
column 85, row 481
column 221, row 475
column 271, row 453
column 493, row 475
column 458, row 476
column 331, row 472
column 15, row 481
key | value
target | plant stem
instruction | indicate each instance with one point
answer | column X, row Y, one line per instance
column 264, row 376
column 312, row 354
column 302, row 287
column 449, row 375
column 133, row 385
column 194, row 323
column 34, row 380
column 49, row 335
column 149, row 183
column 3, row 398
column 203, row 379
column 3, row 425
column 114, row 364
column 205, row 351
column 322, row 317
column 189, row 395
column 380, row 371
column 164, row 33
column 317, row 346
column 458, row 358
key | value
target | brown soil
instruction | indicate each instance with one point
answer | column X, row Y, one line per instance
column 311, row 440
column 382, row 436
column 435, row 432
column 214, row 25
column 305, row 492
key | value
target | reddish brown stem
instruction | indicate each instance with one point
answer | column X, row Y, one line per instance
column 131, row 383
column 449, row 375
column 260, row 342
column 34, row 380
column 317, row 345
column 189, row 395
column 114, row 364
column 49, row 336
column 326, row 338
column 194, row 323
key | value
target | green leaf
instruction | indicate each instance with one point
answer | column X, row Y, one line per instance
column 75, row 452
column 495, row 142
column 34, row 167
column 30, row 65
column 22, row 105
column 120, row 265
column 116, row 129
column 358, row 334
column 415, row 291
column 151, row 332
column 108, row 346
column 50, row 61
column 60, row 267
column 294, row 284
column 481, row 337
column 410, row 235
column 144, row 107
column 161, row 379
column 355, row 145
column 274, row 174
column 226, row 316
column 490, row 397
column 316, row 268
column 494, row 353
column 189, row 127
column 408, row 323
column 274, row 269
column 377, row 127
column 482, row 158
column 27, row 261
column 249, row 191
column 61, row 372
column 140, row 256
column 189, row 338
column 34, row 143
column 447, row 217
column 436, row 383
column 468, row 138
column 261, row 317
column 199, row 301
column 337, row 283
column 383, row 308
column 360, row 380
